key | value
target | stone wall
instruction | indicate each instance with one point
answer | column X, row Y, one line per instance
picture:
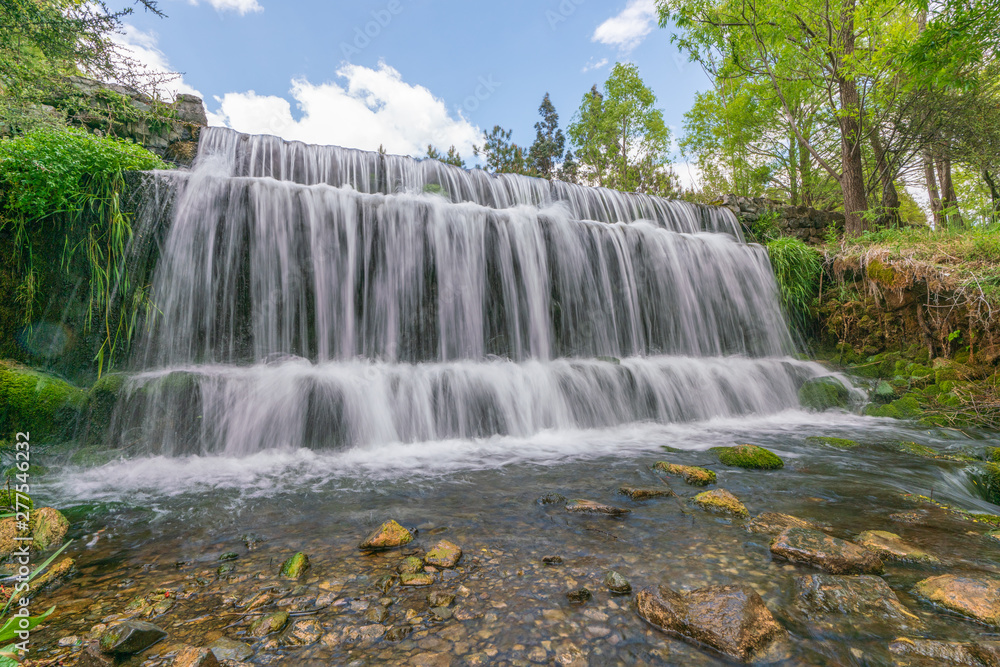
column 802, row 222
column 169, row 130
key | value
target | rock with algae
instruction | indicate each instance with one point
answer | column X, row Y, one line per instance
column 721, row 501
column 691, row 474
column 389, row 535
column 750, row 457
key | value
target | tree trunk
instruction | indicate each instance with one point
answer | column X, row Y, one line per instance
column 890, row 198
column 793, row 180
column 994, row 193
column 949, row 200
column 932, row 190
column 852, row 179
column 805, row 170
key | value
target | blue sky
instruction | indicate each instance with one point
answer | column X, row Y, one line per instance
column 406, row 72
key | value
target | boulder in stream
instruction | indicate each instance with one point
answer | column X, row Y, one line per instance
column 130, row 637
column 592, row 507
column 389, row 535
column 890, row 546
column 976, row 596
column 732, row 620
column 824, row 393
column 616, row 583
column 269, row 623
column 721, row 501
column 645, row 494
column 773, row 523
column 48, row 528
column 751, row 457
column 907, row 652
column 866, row 601
column 811, row 547
column 444, row 554
column 189, row 656
column 295, row 566
column 691, row 474
column 230, row 649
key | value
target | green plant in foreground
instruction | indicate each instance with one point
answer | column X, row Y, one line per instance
column 797, row 269
column 70, row 184
column 13, row 624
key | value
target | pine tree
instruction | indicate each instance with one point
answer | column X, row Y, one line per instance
column 547, row 151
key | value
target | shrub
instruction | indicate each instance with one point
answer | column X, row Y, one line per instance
column 797, row 268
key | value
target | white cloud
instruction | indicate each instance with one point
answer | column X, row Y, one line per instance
column 630, row 27
column 242, row 7
column 366, row 109
column 595, row 65
column 142, row 47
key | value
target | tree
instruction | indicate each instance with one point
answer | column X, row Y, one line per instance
column 621, row 138
column 42, row 42
column 451, row 157
column 569, row 170
column 502, row 156
column 550, row 144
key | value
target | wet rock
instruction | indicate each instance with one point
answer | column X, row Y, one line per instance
column 295, row 567
column 130, row 637
column 416, row 579
column 190, row 656
column 229, row 555
column 225, row 569
column 907, row 652
column 975, row 596
column 48, row 528
column 9, row 532
column 616, row 583
column 866, row 599
column 91, row 656
column 750, row 457
column 410, row 565
column 303, row 632
column 551, row 499
column 442, row 613
column 579, row 596
column 910, row 516
column 645, row 494
column 824, row 393
column 269, row 623
column 151, row 605
column 398, row 633
column 811, row 547
column 444, row 554
column 890, row 546
column 691, row 474
column 592, row 507
column 730, row 619
column 440, row 599
column 389, row 535
column 252, row 540
column 839, row 443
column 773, row 523
column 230, row 649
column 721, row 501
column 552, row 560
column 377, row 614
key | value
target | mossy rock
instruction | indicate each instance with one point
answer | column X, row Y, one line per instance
column 32, row 471
column 934, row 421
column 949, row 400
column 48, row 528
column 721, row 501
column 883, row 393
column 41, row 405
column 919, row 371
column 824, row 393
column 947, row 386
column 750, row 457
column 917, row 449
column 295, row 566
column 101, row 401
column 693, row 475
column 839, row 443
column 992, row 454
column 878, row 366
column 986, row 482
column 93, row 456
column 907, row 407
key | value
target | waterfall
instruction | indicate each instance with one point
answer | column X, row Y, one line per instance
column 330, row 298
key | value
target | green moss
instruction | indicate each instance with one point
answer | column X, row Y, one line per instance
column 43, row 406
column 935, row 421
column 824, row 393
column 883, row 392
column 295, row 566
column 919, row 371
column 32, row 471
column 993, row 454
column 949, row 400
column 890, row 411
column 10, row 498
column 881, row 273
column 839, row 443
column 751, row 457
column 917, row 450
column 986, row 481
column 946, row 386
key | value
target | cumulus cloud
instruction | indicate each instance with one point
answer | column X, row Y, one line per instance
column 364, row 108
column 592, row 65
column 242, row 7
column 142, row 47
column 630, row 27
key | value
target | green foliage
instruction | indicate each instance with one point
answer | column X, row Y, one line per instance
column 547, row 151
column 452, row 157
column 621, row 138
column 69, row 183
column 797, row 268
column 502, row 156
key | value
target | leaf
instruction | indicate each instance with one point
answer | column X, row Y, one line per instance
column 13, row 625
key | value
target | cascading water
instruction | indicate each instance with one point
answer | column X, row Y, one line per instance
column 331, row 298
